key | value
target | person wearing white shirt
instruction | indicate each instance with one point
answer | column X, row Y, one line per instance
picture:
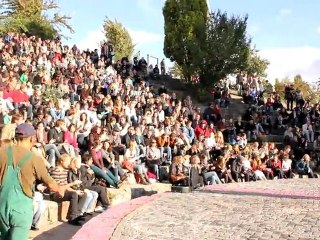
column 131, row 114
column 161, row 115
column 5, row 104
column 286, row 166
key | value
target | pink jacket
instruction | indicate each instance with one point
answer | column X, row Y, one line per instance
column 70, row 138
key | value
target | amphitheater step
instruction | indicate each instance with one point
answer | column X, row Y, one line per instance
column 128, row 192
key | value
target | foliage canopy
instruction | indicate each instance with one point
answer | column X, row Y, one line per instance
column 119, row 37
column 31, row 17
column 211, row 45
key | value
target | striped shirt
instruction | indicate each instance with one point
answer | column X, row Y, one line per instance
column 60, row 176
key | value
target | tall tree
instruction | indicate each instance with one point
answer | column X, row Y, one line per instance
column 185, row 32
column 227, row 47
column 29, row 16
column 119, row 37
column 256, row 65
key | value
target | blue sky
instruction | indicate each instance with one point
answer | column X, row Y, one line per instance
column 286, row 32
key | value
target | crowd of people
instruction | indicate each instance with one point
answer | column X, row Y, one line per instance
column 107, row 121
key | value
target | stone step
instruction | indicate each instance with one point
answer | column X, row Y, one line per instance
column 128, row 192
column 273, row 138
column 57, row 212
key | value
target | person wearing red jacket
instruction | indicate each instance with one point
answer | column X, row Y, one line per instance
column 202, row 128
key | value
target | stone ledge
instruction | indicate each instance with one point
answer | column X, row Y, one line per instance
column 128, row 192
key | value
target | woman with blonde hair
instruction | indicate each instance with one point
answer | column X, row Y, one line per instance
column 132, row 162
column 256, row 167
column 219, row 140
column 178, row 172
column 222, row 171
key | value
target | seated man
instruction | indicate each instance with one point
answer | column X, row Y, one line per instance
column 60, row 175
column 303, row 167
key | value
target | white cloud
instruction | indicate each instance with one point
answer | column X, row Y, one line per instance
column 143, row 37
column 285, row 12
column 288, row 62
column 139, row 37
column 91, row 40
column 318, row 29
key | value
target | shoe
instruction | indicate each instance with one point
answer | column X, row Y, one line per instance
column 75, row 222
column 34, row 228
column 99, row 209
column 87, row 214
column 81, row 218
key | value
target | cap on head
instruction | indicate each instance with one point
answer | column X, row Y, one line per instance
column 25, row 130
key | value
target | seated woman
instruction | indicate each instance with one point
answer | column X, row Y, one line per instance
column 287, row 166
column 83, row 126
column 222, row 171
column 98, row 166
column 153, row 157
column 196, row 178
column 70, row 137
column 89, row 198
column 303, row 167
column 50, row 149
column 256, row 167
column 276, row 167
column 132, row 163
column 207, row 171
column 179, row 172
column 111, row 163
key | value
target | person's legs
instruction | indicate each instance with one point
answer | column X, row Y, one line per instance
column 73, row 208
column 93, row 201
column 112, row 177
column 115, row 171
column 41, row 208
column 84, row 201
column 102, row 193
column 20, row 223
column 155, row 169
column 306, row 135
column 53, row 153
column 99, row 173
column 311, row 134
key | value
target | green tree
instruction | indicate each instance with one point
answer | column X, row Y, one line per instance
column 227, row 47
column 29, row 16
column 185, row 33
column 119, row 37
column 255, row 64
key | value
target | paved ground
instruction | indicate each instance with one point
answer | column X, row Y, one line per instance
column 291, row 211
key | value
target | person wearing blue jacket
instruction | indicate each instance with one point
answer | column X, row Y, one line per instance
column 303, row 167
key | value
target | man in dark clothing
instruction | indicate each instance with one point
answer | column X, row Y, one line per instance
column 289, row 96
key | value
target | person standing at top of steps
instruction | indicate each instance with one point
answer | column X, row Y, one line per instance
column 19, row 168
